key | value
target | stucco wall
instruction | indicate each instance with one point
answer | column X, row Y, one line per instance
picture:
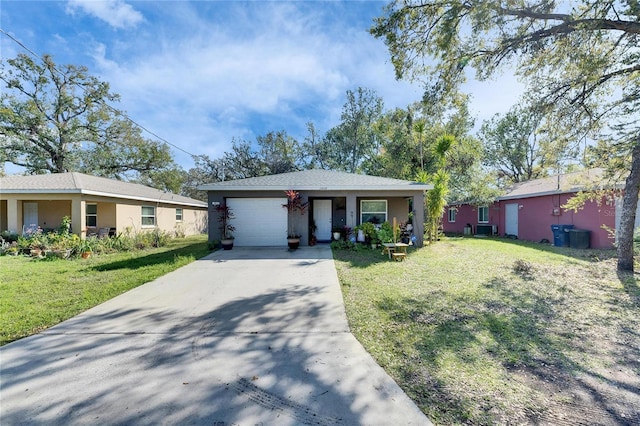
column 111, row 212
column 349, row 214
column 537, row 214
column 194, row 221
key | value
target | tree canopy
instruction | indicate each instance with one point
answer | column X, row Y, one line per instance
column 580, row 62
column 57, row 119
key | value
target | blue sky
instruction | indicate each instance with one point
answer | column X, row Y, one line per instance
column 201, row 73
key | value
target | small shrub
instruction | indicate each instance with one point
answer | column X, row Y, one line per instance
column 522, row 267
column 385, row 234
column 9, row 236
column 344, row 245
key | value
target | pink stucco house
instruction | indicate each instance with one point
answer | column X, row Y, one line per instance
column 529, row 209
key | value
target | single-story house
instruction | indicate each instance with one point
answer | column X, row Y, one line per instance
column 95, row 203
column 336, row 199
column 528, row 210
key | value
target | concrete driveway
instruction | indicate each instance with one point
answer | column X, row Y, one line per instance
column 242, row 337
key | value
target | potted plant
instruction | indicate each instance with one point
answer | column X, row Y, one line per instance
column 224, row 218
column 337, row 233
column 295, row 205
column 84, row 248
column 370, row 233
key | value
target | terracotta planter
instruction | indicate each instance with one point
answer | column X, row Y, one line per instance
column 85, row 254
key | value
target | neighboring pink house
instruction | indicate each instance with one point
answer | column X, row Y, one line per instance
column 529, row 209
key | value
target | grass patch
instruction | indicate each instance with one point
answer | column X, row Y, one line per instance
column 501, row 331
column 36, row 294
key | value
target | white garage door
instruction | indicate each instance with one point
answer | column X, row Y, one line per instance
column 259, row 221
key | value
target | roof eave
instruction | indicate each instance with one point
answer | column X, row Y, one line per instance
column 416, row 187
column 103, row 194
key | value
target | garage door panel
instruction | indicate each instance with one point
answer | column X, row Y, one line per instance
column 259, row 221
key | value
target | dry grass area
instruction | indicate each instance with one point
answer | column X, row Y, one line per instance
column 501, row 331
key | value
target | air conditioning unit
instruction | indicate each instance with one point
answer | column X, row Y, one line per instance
column 486, row 229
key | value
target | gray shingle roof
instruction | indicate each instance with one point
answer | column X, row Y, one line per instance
column 317, row 180
column 73, row 183
column 565, row 183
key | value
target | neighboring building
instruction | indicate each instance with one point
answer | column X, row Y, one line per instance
column 95, row 203
column 528, row 209
column 336, row 199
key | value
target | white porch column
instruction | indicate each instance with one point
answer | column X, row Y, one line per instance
column 14, row 215
column 78, row 216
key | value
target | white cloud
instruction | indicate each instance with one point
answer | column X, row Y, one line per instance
column 199, row 82
column 116, row 13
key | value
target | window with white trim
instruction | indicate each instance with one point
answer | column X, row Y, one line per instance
column 148, row 216
column 452, row 214
column 483, row 214
column 178, row 215
column 91, row 215
column 374, row 211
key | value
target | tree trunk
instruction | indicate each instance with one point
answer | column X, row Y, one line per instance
column 628, row 216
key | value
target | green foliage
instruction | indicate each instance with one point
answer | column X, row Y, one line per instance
column 514, row 148
column 63, row 240
column 353, row 142
column 458, row 324
column 579, row 62
column 9, row 236
column 344, row 245
column 35, row 295
column 57, row 119
column 370, row 232
column 435, row 203
column 65, row 226
column 385, row 233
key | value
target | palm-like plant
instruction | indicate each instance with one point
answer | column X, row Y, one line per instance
column 295, row 203
column 224, row 218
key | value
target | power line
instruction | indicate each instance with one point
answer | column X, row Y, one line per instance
column 118, row 112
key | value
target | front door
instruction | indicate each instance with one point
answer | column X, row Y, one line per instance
column 511, row 219
column 30, row 214
column 322, row 217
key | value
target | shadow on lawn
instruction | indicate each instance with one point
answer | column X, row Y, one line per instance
column 364, row 257
column 516, row 332
column 196, row 250
column 227, row 365
column 581, row 254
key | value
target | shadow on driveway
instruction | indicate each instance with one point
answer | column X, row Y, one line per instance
column 251, row 337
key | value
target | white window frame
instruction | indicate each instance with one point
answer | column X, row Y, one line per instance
column 179, row 215
column 146, row 216
column 385, row 212
column 87, row 215
column 453, row 212
column 486, row 209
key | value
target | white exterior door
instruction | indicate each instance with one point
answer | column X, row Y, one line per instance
column 29, row 214
column 322, row 216
column 511, row 219
column 259, row 222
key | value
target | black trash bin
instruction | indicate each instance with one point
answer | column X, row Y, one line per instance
column 561, row 235
column 579, row 238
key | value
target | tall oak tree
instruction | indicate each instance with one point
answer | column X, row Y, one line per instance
column 580, row 60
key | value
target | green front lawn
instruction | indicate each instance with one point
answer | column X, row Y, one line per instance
column 36, row 294
column 486, row 331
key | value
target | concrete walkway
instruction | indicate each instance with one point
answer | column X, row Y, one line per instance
column 242, row 337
